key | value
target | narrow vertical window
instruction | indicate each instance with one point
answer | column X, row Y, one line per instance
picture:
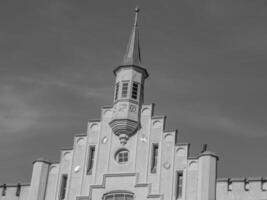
column 63, row 187
column 229, row 185
column 134, row 91
column 18, row 190
column 246, row 185
column 263, row 184
column 124, row 90
column 179, row 185
column 154, row 160
column 141, row 93
column 91, row 159
column 4, row 190
column 117, row 90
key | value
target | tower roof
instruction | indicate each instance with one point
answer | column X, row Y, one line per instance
column 132, row 55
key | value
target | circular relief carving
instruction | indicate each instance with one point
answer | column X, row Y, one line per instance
column 168, row 137
column 145, row 111
column 157, row 124
column 143, row 139
column 180, row 152
column 193, row 165
column 104, row 140
column 81, row 141
column 67, row 155
column 108, row 113
column 167, row 165
column 77, row 169
column 94, row 127
column 53, row 170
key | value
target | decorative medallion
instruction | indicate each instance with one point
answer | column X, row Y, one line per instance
column 108, row 113
column 53, row 170
column 77, row 169
column 81, row 141
column 168, row 138
column 180, row 152
column 67, row 155
column 167, row 165
column 193, row 165
column 145, row 111
column 143, row 139
column 94, row 127
column 156, row 124
column 104, row 140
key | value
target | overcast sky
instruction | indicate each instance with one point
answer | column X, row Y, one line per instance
column 207, row 63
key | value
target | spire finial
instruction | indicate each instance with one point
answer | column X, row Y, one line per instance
column 136, row 10
column 132, row 55
column 204, row 148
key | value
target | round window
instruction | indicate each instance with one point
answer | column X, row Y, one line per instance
column 122, row 156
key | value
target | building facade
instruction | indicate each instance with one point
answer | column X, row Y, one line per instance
column 128, row 154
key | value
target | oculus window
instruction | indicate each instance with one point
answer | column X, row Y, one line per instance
column 122, row 156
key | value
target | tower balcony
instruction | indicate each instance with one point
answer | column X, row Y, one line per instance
column 124, row 129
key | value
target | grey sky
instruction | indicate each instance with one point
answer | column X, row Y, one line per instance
column 206, row 59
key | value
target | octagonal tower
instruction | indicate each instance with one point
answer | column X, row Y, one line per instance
column 129, row 86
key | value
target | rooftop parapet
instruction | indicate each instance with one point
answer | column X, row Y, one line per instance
column 41, row 159
column 230, row 182
column 208, row 153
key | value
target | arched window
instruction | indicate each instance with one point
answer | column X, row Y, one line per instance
column 118, row 195
column 122, row 156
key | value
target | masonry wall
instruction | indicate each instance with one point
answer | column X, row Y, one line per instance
column 12, row 192
column 199, row 173
column 241, row 189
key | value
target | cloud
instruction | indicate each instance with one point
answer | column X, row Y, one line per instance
column 213, row 103
column 24, row 101
column 213, row 118
column 81, row 89
column 15, row 114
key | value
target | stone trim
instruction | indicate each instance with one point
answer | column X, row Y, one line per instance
column 43, row 160
column 137, row 68
column 105, row 176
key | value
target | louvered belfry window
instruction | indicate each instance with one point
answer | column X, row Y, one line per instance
column 134, row 91
column 124, row 90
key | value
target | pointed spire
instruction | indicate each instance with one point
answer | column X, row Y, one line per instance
column 132, row 55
